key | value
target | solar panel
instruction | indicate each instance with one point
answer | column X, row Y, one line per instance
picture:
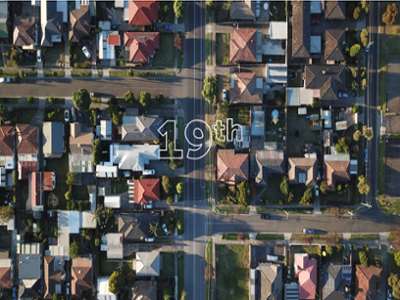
column 278, row 68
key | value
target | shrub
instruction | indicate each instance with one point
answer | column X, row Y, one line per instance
column 356, row 13
column 170, row 200
column 130, row 73
column 354, row 50
column 122, row 63
column 75, row 57
column 30, row 99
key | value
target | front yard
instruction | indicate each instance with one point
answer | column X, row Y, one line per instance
column 273, row 193
column 54, row 55
column 222, row 48
column 224, row 82
column 165, row 56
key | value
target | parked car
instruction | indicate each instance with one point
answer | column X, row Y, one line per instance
column 68, row 286
column 86, row 52
column 316, row 191
column 366, row 155
column 81, row 116
column 66, row 128
column 149, row 239
column 14, row 293
column 315, row 22
column 66, row 115
column 73, row 114
column 5, row 79
column 343, row 95
column 164, row 227
column 39, row 56
column 223, row 94
column 310, row 231
column 12, row 204
column 16, row 80
column 265, row 217
column 367, row 49
column 148, row 206
column 148, row 172
column 234, row 70
column 94, row 95
column 389, row 295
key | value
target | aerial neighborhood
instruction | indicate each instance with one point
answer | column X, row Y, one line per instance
column 209, row 150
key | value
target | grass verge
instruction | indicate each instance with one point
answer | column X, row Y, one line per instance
column 270, row 236
column 364, row 237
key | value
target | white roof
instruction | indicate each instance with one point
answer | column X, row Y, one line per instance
column 302, row 111
column 278, row 30
column 133, row 157
column 315, row 42
column 106, row 171
column 276, row 73
column 341, row 125
column 63, row 235
column 105, row 130
column 103, row 292
column 112, row 201
column 74, row 222
column 326, row 116
column 106, row 51
column 119, row 3
column 88, row 221
column 115, row 248
column 299, row 96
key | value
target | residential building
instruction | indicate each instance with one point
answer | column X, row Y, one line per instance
column 337, row 169
column 80, row 145
column 30, row 266
column 335, row 10
column 145, row 290
column 140, row 46
column 334, row 46
column 278, row 30
column 143, row 13
column 335, row 280
column 303, row 171
column 257, row 122
column 245, row 46
column 81, row 276
column 244, row 10
column 291, row 291
column 113, row 201
column 25, row 33
column 147, row 264
column 301, row 31
column 53, row 139
column 39, row 183
column 146, row 190
column 140, row 129
column 269, row 162
column 108, row 40
column 242, row 138
column 103, row 292
column 113, row 244
column 306, row 271
column 3, row 19
column 136, row 226
column 79, row 24
column 51, row 23
column 54, row 275
column 246, row 88
column 366, row 282
column 6, row 271
column 266, row 282
column 232, row 167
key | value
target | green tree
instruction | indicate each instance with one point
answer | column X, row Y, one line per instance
column 96, row 146
column 86, row 234
column 211, row 5
column 183, row 295
column 167, row 184
column 179, row 224
column 365, row 5
column 363, row 186
column 71, row 178
column 117, row 118
column 116, row 282
column 356, row 13
column 180, row 188
column 364, row 83
column 284, row 186
column 6, row 213
column 338, row 148
column 343, row 145
column 68, row 194
column 167, row 292
column 316, row 102
column 144, row 98
column 323, row 187
column 354, row 50
column 368, row 133
column 159, row 98
column 170, row 200
column 74, row 249
column 364, row 259
column 244, row 193
column 393, row 282
column 329, row 249
column 356, row 135
column 307, row 197
column 389, row 16
column 31, row 99
column 179, row 9
column 210, row 88
column 154, row 228
column 290, row 198
column 354, row 71
column 397, row 258
column 81, row 99
column 97, row 242
column 364, row 36
column 129, row 97
column 56, row 296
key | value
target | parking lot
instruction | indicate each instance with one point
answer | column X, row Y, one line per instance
column 392, row 168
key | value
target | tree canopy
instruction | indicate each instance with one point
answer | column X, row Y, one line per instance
column 244, row 193
column 393, row 282
column 180, row 188
column 354, row 50
column 364, row 259
column 116, row 282
column 368, row 133
column 129, row 97
column 167, row 184
column 363, row 186
column 179, row 9
column 284, row 186
column 210, row 88
column 81, row 99
column 364, row 35
column 389, row 16
column 307, row 197
column 144, row 98
column 6, row 213
column 74, row 249
column 96, row 147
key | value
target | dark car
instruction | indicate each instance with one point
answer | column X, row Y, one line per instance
column 315, row 22
column 233, row 70
column 73, row 114
column 16, row 80
column 66, row 129
column 82, row 117
column 265, row 217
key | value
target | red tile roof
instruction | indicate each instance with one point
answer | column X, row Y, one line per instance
column 81, row 276
column 307, row 274
column 26, row 139
column 6, row 140
column 143, row 12
column 114, row 39
column 232, row 168
column 366, row 282
column 146, row 190
column 48, row 181
column 336, row 171
column 24, row 167
column 36, row 181
column 243, row 46
column 141, row 45
column 5, row 278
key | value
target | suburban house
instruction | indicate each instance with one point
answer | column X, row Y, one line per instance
column 51, row 23
column 245, row 46
column 103, row 292
column 246, row 88
column 30, row 266
column 26, row 167
column 146, row 290
column 257, row 122
column 25, row 33
column 301, row 31
column 269, row 162
column 325, row 81
column 267, row 280
column 79, row 24
column 80, row 146
column 6, row 271
column 140, row 129
column 335, row 280
column 146, row 190
column 335, row 10
column 244, row 10
column 143, row 12
column 147, row 264
column 140, row 46
column 81, row 276
column 366, row 282
column 306, row 271
column 136, row 226
column 337, row 169
column 303, row 171
column 334, row 46
column 113, row 201
column 232, row 167
column 113, row 244
column 54, row 275
column 53, row 139
column 108, row 40
column 40, row 182
column 3, row 20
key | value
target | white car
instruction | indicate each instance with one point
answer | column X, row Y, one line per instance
column 5, row 79
column 148, row 172
column 223, row 94
column 148, row 206
column 39, row 56
column 66, row 115
column 310, row 231
column 86, row 52
column 165, row 229
column 150, row 239
column 317, row 191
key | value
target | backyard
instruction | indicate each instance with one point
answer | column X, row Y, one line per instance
column 240, row 115
column 80, row 192
column 166, row 279
column 60, row 167
column 222, row 48
column 106, row 268
column 119, row 186
column 232, row 273
column 165, row 56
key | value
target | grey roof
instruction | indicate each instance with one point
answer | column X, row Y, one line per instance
column 243, row 10
column 29, row 266
column 301, row 29
column 334, row 39
column 140, row 128
column 270, row 281
column 333, row 283
column 53, row 137
column 328, row 79
column 52, row 28
column 148, row 263
column 269, row 162
column 136, row 227
column 30, row 289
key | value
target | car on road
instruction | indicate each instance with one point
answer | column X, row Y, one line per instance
column 39, row 56
column 5, row 79
column 66, row 115
column 86, row 52
column 265, row 217
column 310, row 231
column 164, row 227
column 14, row 293
column 73, row 114
column 94, row 95
column 149, row 239
column 148, row 206
column 367, row 49
column 389, row 295
column 316, row 191
column 16, row 80
column 366, row 155
column 315, row 22
column 223, row 94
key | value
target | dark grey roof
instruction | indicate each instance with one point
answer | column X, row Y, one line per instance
column 55, row 131
column 328, row 79
column 242, row 11
column 54, row 21
column 140, row 128
column 335, row 10
column 334, row 39
column 136, row 226
column 32, row 291
column 270, row 281
column 333, row 283
column 301, row 29
column 269, row 162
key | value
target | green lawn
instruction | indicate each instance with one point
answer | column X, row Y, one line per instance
column 222, row 13
column 106, row 268
column 60, row 167
column 233, row 236
column 22, row 100
column 374, row 255
column 232, row 282
column 80, row 192
column 230, row 210
column 224, row 82
column 55, row 54
column 391, row 263
column 167, row 14
column 57, row 117
column 278, row 211
column 240, row 115
column 319, row 237
column 222, row 48
column 180, row 59
column 343, row 199
column 297, row 81
column 60, row 101
column 381, row 166
column 181, row 267
column 24, row 191
column 25, row 116
column 5, row 239
column 335, row 257
column 209, row 252
column 167, row 49
column 143, row 73
column 119, row 186
column 209, row 50
column 167, row 268
column 81, row 73
column 389, row 206
column 273, row 193
column 270, row 236
column 364, row 237
column 277, row 9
